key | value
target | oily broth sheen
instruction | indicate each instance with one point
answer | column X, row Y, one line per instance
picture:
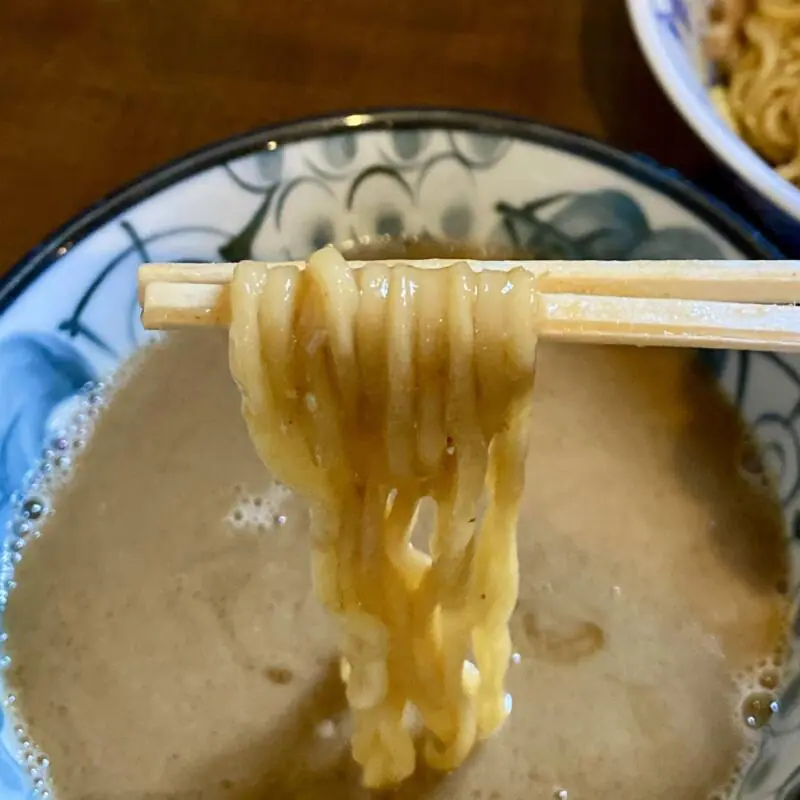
column 165, row 641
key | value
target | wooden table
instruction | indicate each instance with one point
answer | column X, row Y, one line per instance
column 93, row 92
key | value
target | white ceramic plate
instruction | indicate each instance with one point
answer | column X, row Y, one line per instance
column 68, row 311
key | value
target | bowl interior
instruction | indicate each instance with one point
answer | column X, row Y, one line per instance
column 69, row 311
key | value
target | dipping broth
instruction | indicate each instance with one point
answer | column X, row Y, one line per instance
column 165, row 641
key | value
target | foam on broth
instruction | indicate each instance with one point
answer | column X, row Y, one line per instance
column 165, row 641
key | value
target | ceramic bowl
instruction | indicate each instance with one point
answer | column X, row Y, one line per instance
column 671, row 35
column 68, row 311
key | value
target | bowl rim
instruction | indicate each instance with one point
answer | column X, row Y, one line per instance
column 728, row 146
column 644, row 169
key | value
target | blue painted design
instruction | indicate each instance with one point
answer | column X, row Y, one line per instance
column 11, row 780
column 37, row 372
column 674, row 16
column 675, row 243
column 776, row 423
column 791, row 788
column 597, row 225
column 392, row 174
column 479, row 150
column 408, row 144
column 715, row 361
column 75, row 325
column 240, row 246
column 265, row 170
column 602, row 225
column 339, row 150
column 780, row 447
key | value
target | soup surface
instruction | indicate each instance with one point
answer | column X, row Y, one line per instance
column 165, row 642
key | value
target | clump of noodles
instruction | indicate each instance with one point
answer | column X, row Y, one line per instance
column 368, row 390
column 756, row 44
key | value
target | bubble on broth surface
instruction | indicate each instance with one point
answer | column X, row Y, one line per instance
column 261, row 510
column 758, row 708
column 759, row 691
column 769, row 677
column 35, row 762
column 32, row 504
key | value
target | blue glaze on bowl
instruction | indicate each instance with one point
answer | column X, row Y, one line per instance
column 68, row 311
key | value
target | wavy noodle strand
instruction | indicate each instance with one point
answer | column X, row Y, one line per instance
column 756, row 44
column 369, row 392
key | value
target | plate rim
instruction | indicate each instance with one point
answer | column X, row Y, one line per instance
column 714, row 212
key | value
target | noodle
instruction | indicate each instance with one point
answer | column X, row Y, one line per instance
column 756, row 43
column 368, row 391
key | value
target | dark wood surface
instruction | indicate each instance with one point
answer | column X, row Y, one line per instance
column 93, row 92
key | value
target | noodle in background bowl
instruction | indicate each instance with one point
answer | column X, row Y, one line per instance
column 68, row 311
column 671, row 34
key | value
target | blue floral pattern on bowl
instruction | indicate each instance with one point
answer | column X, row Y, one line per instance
column 69, row 312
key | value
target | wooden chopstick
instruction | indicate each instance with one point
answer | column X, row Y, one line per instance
column 185, row 305
column 673, row 323
column 735, row 281
column 681, row 304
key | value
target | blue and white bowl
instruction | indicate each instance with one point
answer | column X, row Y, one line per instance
column 671, row 34
column 68, row 311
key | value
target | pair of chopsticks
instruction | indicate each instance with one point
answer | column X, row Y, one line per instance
column 726, row 304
